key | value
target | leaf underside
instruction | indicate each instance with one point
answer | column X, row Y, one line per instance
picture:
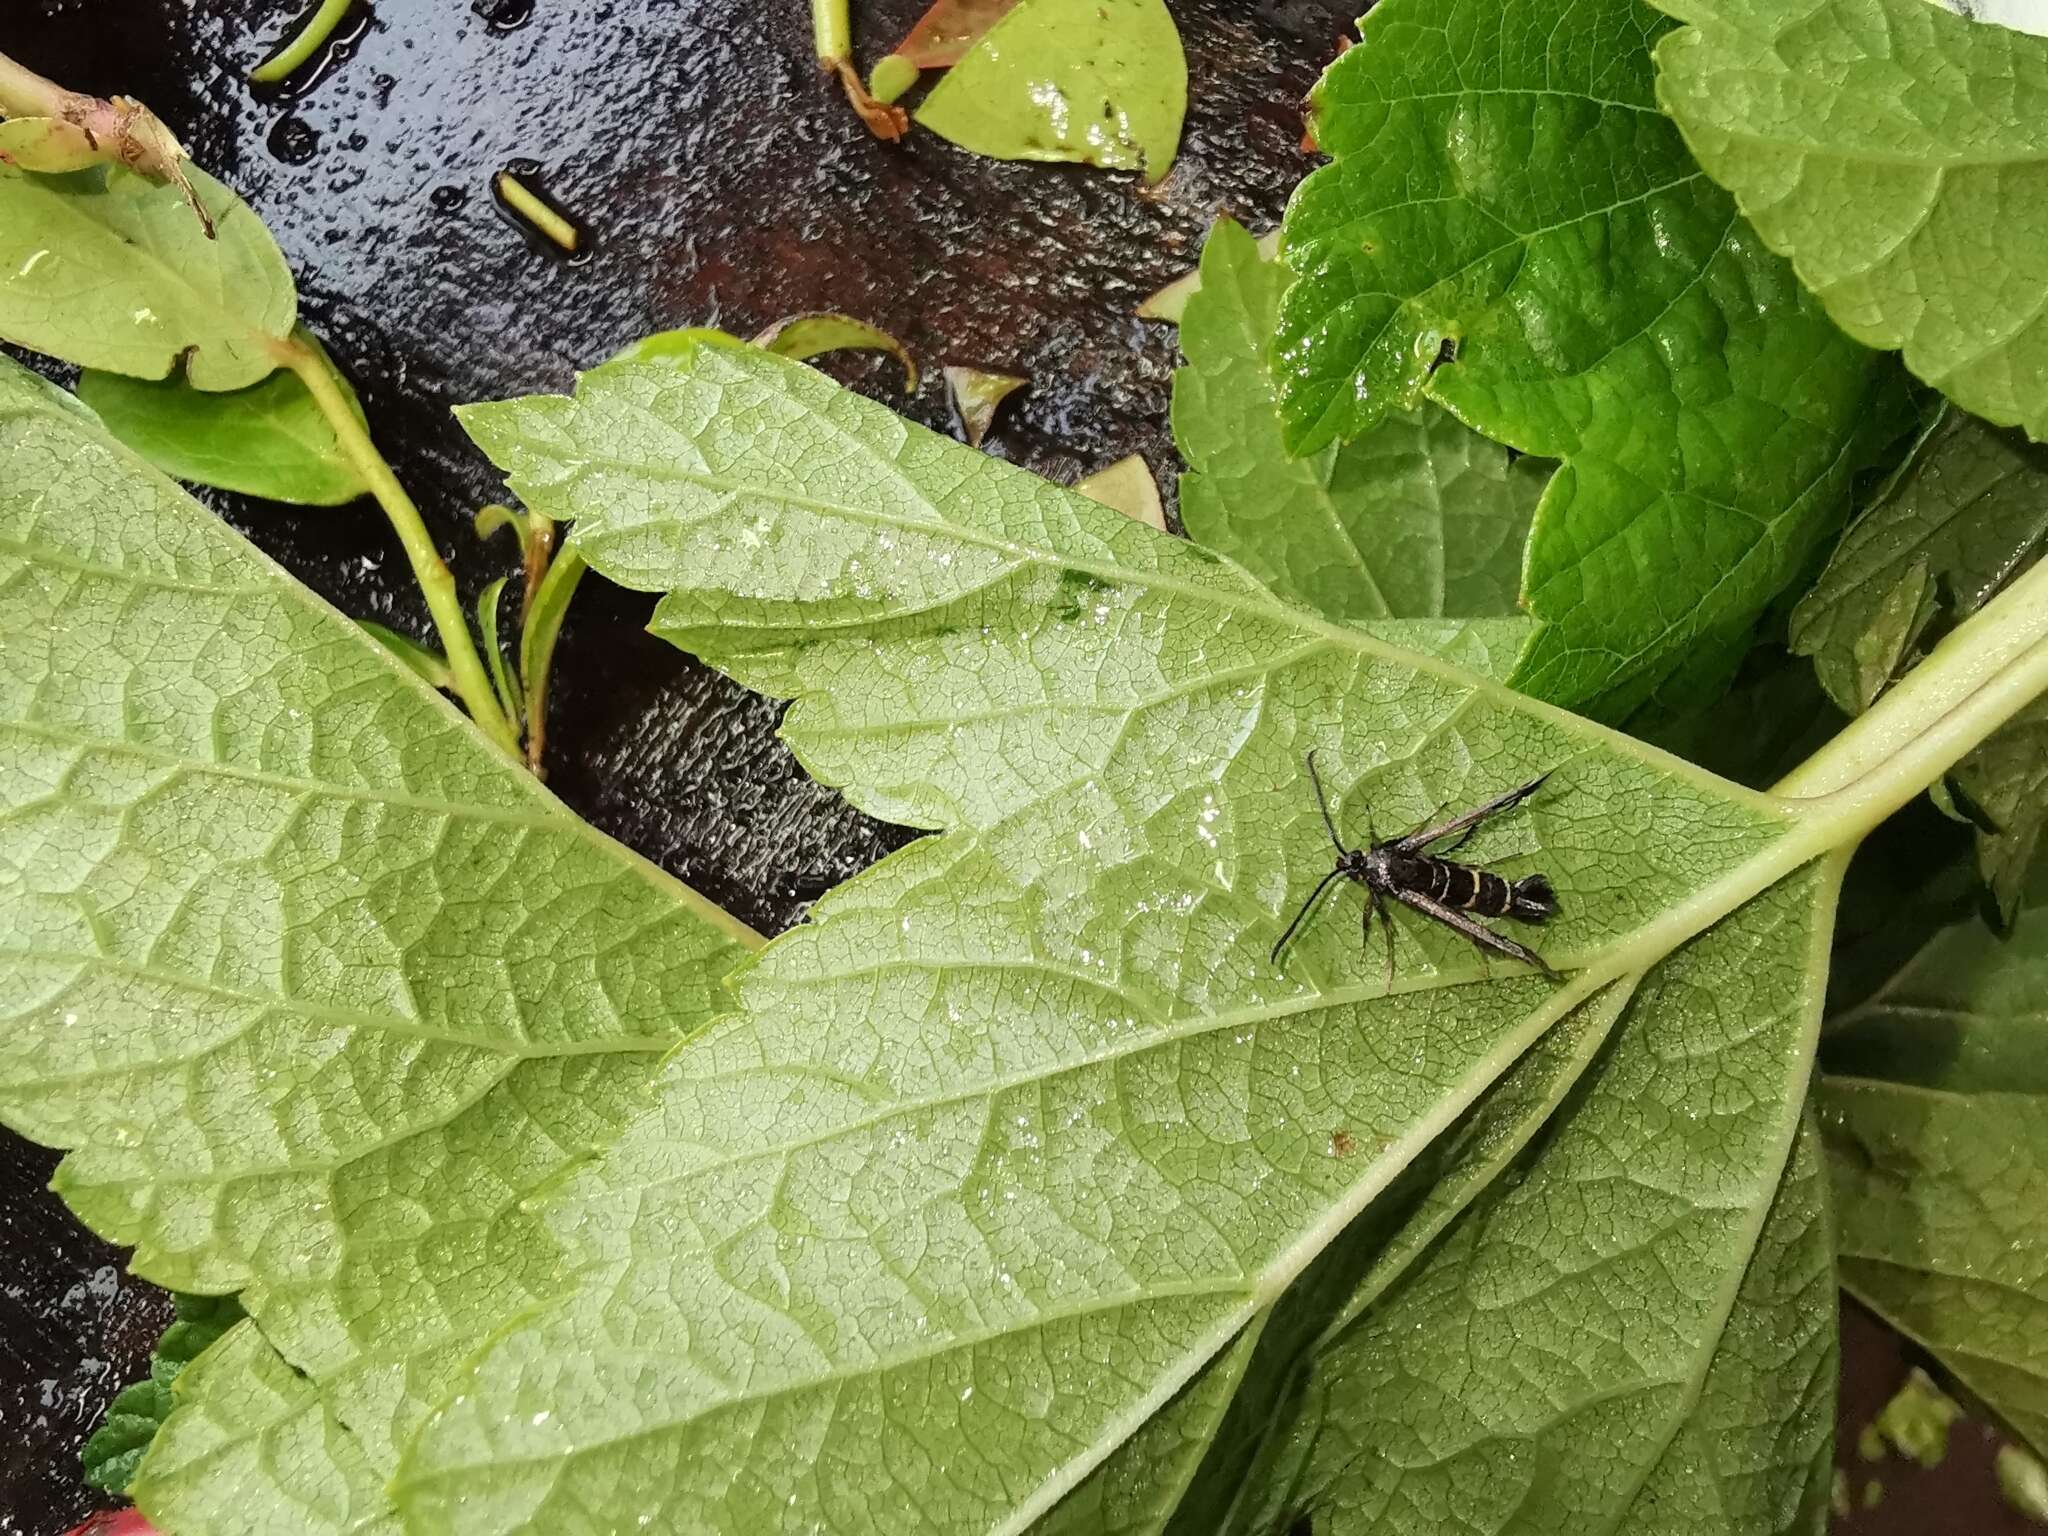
column 1898, row 154
column 1935, row 1109
column 1614, row 312
column 316, row 987
column 1022, row 1128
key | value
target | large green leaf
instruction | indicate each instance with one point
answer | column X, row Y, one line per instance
column 1024, row 1126
column 1958, row 522
column 1610, row 309
column 1099, row 82
column 1420, row 517
column 1898, row 153
column 1250, row 1481
column 255, row 1451
column 107, row 269
column 318, row 987
column 1935, row 1109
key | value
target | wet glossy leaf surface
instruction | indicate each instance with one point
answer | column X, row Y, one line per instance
column 1898, row 153
column 1096, row 82
column 1420, row 517
column 1615, row 313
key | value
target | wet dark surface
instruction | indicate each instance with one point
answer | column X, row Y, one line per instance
column 723, row 183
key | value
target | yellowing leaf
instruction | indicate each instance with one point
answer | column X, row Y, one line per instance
column 1101, row 82
column 1127, row 486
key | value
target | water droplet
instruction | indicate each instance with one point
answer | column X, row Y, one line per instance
column 292, row 140
column 448, row 198
column 503, row 15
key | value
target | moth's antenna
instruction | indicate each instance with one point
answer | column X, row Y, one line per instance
column 1323, row 803
column 1313, row 896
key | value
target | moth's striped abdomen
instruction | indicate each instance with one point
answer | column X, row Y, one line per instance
column 1485, row 894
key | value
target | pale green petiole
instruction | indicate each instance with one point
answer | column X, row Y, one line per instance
column 832, row 30
column 472, row 682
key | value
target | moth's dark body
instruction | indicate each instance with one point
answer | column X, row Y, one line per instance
column 1441, row 889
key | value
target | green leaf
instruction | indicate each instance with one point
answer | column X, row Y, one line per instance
column 543, row 624
column 109, row 270
column 317, row 988
column 138, row 1411
column 494, row 652
column 1101, row 82
column 1954, row 527
column 255, row 1451
column 807, row 336
column 1935, row 1108
column 268, row 440
column 1613, row 311
column 2005, row 786
column 1137, row 1489
column 1250, row 1481
column 1557, row 1314
column 430, row 666
column 1023, row 1126
column 1898, row 153
column 1958, row 521
column 1419, row 517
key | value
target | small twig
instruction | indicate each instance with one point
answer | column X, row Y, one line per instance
column 303, row 44
column 120, row 131
column 832, row 32
column 522, row 200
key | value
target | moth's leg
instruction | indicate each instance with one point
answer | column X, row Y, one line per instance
column 1477, row 932
column 1379, row 909
column 1416, row 841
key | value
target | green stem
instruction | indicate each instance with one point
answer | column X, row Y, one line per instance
column 1971, row 683
column 832, row 27
column 541, row 629
column 472, row 682
column 304, row 44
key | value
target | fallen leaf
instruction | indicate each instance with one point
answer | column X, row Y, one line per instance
column 977, row 394
column 1127, row 486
